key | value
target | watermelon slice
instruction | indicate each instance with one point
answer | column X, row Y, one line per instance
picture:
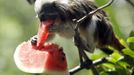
column 49, row 59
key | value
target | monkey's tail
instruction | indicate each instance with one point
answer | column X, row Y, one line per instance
column 116, row 43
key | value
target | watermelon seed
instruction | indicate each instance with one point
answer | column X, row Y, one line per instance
column 63, row 58
column 60, row 49
column 63, row 54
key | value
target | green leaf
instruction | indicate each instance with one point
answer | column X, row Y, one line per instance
column 121, row 70
column 114, row 57
column 123, row 64
column 113, row 73
column 108, row 67
column 131, row 33
column 130, row 40
column 131, row 46
column 114, row 68
column 104, row 73
column 129, row 60
column 129, row 52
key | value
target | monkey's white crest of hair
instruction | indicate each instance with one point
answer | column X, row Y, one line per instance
column 39, row 3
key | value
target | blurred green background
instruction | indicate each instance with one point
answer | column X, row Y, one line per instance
column 18, row 23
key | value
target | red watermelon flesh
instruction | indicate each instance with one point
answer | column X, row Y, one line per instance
column 50, row 59
column 43, row 32
column 57, row 56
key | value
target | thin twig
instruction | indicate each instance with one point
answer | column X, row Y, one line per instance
column 96, row 62
column 94, row 11
column 89, row 63
column 130, row 2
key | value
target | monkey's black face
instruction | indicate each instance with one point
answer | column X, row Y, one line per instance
column 48, row 11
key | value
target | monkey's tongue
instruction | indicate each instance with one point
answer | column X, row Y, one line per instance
column 43, row 32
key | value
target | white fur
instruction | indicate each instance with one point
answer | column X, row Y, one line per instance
column 91, row 30
column 39, row 3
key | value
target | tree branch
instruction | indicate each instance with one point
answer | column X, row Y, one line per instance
column 96, row 62
column 94, row 11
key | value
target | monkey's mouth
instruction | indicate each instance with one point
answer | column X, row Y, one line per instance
column 43, row 31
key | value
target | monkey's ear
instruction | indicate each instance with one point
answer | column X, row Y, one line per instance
column 31, row 1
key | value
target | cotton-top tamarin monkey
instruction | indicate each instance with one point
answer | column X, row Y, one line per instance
column 95, row 31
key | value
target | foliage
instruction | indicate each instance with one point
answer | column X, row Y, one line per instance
column 18, row 23
column 120, row 67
